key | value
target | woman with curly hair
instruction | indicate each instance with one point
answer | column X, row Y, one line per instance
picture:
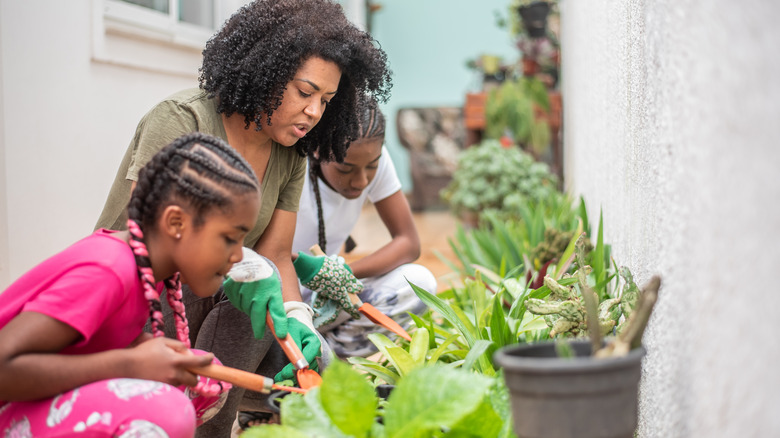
column 279, row 80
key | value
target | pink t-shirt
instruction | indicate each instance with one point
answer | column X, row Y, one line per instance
column 92, row 286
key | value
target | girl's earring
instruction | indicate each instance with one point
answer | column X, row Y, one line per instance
column 178, row 235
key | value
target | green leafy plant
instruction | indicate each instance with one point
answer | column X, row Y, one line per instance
column 516, row 108
column 490, row 176
column 507, row 244
column 429, row 402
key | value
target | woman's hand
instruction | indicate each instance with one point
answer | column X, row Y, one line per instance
column 166, row 360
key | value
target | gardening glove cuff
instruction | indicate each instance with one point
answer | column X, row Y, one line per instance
column 307, row 266
column 310, row 345
column 301, row 312
column 253, row 286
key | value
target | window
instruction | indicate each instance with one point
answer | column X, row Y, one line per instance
column 183, row 22
column 165, row 36
column 197, row 12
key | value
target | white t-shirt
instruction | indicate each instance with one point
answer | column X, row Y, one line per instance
column 339, row 213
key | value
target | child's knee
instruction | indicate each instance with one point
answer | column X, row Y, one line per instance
column 167, row 409
column 420, row 276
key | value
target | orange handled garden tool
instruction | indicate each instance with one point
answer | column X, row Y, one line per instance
column 371, row 312
column 307, row 377
column 241, row 378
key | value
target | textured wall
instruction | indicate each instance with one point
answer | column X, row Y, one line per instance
column 671, row 127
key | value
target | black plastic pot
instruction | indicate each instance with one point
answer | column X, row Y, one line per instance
column 534, row 17
column 580, row 397
column 275, row 398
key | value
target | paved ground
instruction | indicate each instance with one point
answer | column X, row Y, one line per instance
column 434, row 227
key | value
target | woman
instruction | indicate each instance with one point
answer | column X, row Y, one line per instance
column 267, row 78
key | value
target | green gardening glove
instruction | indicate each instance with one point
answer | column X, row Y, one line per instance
column 331, row 282
column 302, row 331
column 253, row 287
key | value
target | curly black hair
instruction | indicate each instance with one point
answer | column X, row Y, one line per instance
column 249, row 62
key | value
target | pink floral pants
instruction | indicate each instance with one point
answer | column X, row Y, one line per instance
column 125, row 408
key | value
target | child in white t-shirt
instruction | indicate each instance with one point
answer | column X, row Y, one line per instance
column 332, row 200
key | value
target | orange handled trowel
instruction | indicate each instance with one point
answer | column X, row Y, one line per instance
column 371, row 312
column 307, row 377
column 241, row 378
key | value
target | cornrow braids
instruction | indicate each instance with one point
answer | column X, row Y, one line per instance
column 248, row 63
column 314, row 175
column 372, row 121
column 203, row 172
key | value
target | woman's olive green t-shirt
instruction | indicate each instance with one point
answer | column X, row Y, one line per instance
column 190, row 111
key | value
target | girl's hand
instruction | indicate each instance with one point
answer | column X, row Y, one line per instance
column 166, row 360
column 143, row 337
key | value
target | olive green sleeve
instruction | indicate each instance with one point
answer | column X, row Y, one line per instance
column 290, row 194
column 159, row 127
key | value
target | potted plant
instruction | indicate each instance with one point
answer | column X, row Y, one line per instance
column 488, row 175
column 517, row 108
column 431, row 401
column 564, row 389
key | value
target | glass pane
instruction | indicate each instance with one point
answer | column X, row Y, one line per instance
column 198, row 12
column 157, row 5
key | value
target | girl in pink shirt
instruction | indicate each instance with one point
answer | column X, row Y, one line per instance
column 73, row 357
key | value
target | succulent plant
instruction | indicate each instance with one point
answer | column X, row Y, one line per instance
column 565, row 309
column 490, row 176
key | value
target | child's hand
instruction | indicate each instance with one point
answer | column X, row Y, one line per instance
column 166, row 360
column 143, row 337
column 330, row 280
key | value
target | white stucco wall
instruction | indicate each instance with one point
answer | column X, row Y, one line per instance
column 67, row 120
column 671, row 126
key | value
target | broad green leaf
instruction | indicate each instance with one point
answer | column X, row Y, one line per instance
column 568, row 253
column 348, row 398
column 597, row 256
column 427, row 326
column 445, row 310
column 514, row 287
column 375, row 369
column 432, row 398
column 532, row 322
column 499, row 331
column 476, row 353
column 583, row 213
column 418, row 348
column 306, row 414
column 402, row 360
column 482, row 422
column 487, row 273
column 457, row 363
column 442, row 348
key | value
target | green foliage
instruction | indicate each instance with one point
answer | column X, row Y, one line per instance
column 429, row 402
column 508, row 245
column 512, row 109
column 490, row 176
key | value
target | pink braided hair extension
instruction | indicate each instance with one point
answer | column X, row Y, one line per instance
column 173, row 286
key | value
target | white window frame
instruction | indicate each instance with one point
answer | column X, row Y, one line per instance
column 149, row 23
column 133, row 36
